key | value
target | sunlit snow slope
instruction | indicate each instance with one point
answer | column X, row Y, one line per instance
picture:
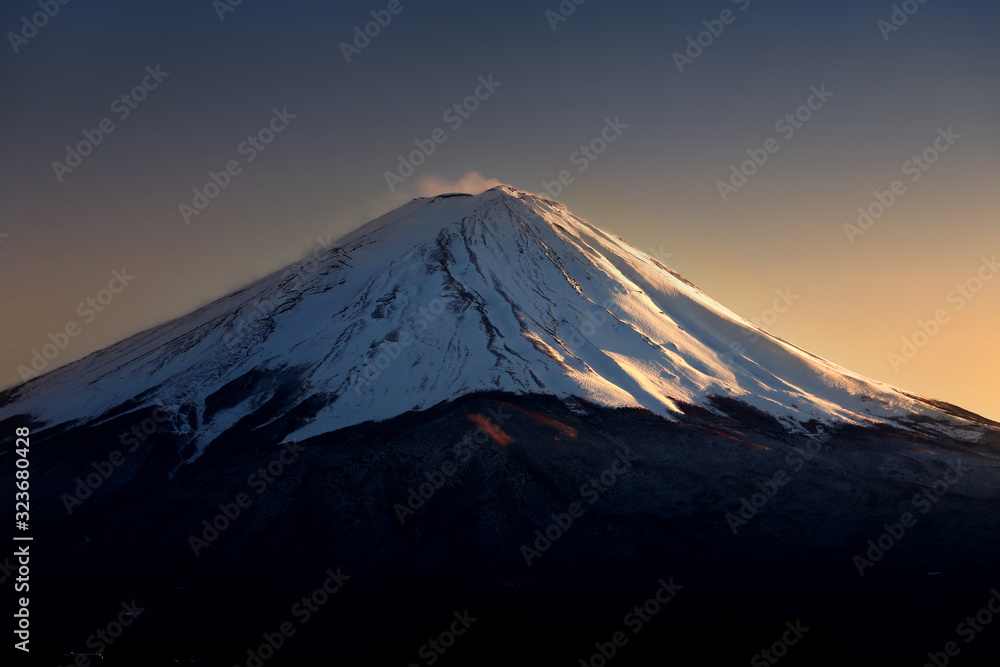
column 451, row 295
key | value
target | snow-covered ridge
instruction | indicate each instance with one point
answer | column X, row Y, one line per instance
column 456, row 294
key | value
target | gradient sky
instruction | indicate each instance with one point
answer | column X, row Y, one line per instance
column 656, row 185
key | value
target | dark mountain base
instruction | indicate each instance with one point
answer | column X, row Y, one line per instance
column 635, row 506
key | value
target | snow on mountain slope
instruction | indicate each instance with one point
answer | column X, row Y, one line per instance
column 450, row 295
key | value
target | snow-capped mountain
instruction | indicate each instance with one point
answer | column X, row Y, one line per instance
column 448, row 296
column 447, row 382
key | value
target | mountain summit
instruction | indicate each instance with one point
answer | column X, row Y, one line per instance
column 485, row 403
column 452, row 295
